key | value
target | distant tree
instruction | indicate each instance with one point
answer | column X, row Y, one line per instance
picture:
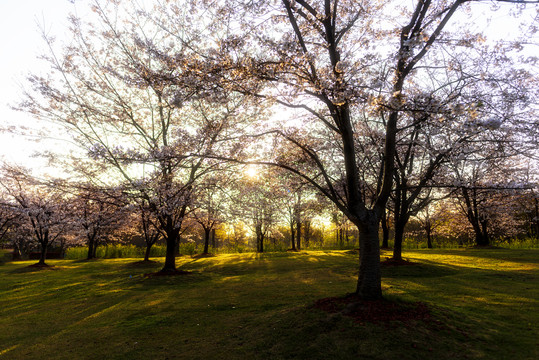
column 94, row 212
column 149, row 227
column 209, row 206
column 42, row 207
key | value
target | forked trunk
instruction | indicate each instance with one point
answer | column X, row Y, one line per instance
column 369, row 284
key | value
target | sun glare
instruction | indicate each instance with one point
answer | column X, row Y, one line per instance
column 251, row 172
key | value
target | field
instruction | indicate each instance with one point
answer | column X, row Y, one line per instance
column 483, row 304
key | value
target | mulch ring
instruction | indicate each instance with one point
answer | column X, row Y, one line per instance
column 168, row 273
column 374, row 311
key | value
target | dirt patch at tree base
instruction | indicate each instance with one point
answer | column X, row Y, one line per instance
column 396, row 262
column 41, row 266
column 374, row 311
column 168, row 273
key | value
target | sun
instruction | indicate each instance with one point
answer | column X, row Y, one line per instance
column 251, row 172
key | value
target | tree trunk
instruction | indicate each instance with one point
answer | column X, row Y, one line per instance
column 481, row 236
column 206, row 240
column 177, row 246
column 385, row 231
column 298, row 236
column 429, row 237
column 399, row 235
column 307, row 233
column 370, row 279
column 147, row 253
column 90, row 249
column 292, row 236
column 536, row 200
column 43, row 254
column 213, row 240
column 170, row 255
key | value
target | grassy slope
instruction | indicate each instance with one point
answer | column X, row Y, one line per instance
column 248, row 306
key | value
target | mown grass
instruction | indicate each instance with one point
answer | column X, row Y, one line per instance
column 249, row 306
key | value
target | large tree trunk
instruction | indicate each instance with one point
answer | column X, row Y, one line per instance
column 370, row 279
column 206, row 240
column 170, row 255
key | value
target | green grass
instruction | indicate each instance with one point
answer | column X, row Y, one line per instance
column 248, row 306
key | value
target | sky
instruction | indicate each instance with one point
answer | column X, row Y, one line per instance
column 22, row 43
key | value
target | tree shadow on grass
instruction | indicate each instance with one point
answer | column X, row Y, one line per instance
column 423, row 269
column 35, row 268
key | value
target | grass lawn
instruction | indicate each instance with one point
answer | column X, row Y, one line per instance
column 484, row 305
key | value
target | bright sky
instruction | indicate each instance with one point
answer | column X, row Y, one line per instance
column 21, row 43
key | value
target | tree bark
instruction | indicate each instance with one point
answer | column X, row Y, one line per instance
column 429, row 236
column 370, row 279
column 90, row 249
column 397, row 245
column 147, row 253
column 170, row 255
column 43, row 254
column 292, row 236
column 206, row 240
column 298, row 235
column 385, row 231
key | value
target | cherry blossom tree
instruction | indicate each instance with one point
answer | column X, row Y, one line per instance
column 209, row 206
column 42, row 208
column 148, row 126
column 96, row 213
